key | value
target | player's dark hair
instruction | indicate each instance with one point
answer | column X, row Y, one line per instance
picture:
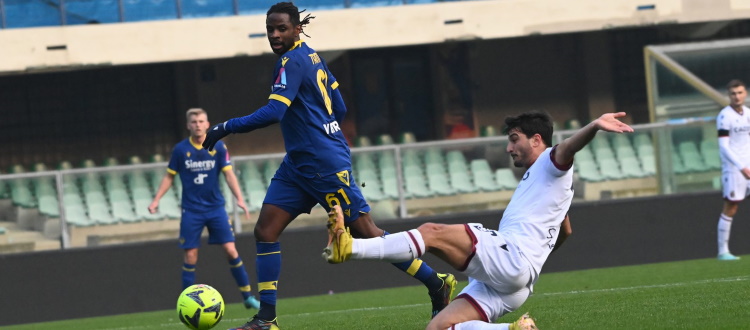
column 734, row 83
column 530, row 123
column 293, row 12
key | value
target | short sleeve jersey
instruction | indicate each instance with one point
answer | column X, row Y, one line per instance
column 537, row 208
column 199, row 171
column 738, row 127
column 313, row 139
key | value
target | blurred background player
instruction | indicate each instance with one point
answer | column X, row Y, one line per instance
column 733, row 124
column 317, row 166
column 203, row 203
column 503, row 264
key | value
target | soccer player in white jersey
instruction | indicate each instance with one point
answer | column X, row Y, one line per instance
column 502, row 264
column 733, row 124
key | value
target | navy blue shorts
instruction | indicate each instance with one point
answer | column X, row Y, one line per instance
column 297, row 194
column 217, row 221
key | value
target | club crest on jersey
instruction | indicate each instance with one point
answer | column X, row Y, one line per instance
column 344, row 177
column 280, row 80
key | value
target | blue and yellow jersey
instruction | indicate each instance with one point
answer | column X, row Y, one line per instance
column 313, row 139
column 199, row 171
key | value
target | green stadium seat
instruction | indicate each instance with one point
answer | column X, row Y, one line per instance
column 434, row 155
column 255, row 189
column 20, row 190
column 415, row 183
column 98, row 208
column 47, row 196
column 390, row 180
column 610, row 169
column 631, row 167
column 269, row 169
column 111, row 161
column 364, row 161
column 408, row 137
column 64, row 165
column 691, row 157
column 458, row 172
column 88, row 163
column 75, row 214
column 362, row 141
column 385, row 139
column 710, row 151
column 648, row 163
column 370, row 184
column 588, row 170
column 437, row 179
column 505, row 179
column 487, row 131
column 482, row 175
column 677, row 165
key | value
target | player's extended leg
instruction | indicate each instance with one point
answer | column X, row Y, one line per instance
column 271, row 223
column 237, row 267
column 190, row 259
column 440, row 286
column 724, row 228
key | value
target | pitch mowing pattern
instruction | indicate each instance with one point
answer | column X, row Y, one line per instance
column 696, row 294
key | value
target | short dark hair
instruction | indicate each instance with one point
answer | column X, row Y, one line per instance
column 530, row 123
column 293, row 12
column 734, row 83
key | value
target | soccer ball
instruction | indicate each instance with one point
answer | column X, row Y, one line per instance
column 200, row 307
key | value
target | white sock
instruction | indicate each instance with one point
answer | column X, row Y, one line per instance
column 725, row 225
column 397, row 247
column 479, row 325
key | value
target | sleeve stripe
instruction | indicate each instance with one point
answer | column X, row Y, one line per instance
column 280, row 98
column 171, row 171
column 335, row 85
column 226, row 168
column 723, row 132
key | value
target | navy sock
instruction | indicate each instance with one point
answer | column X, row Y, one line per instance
column 188, row 275
column 421, row 271
column 240, row 276
column 268, row 268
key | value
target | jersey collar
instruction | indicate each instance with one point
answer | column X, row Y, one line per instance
column 195, row 145
column 297, row 43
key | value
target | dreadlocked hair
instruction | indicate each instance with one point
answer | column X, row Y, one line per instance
column 293, row 12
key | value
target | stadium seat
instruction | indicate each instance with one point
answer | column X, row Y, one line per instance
column 458, row 172
column 709, row 149
column 487, row 131
column 368, row 180
column 269, row 169
column 677, row 165
column 255, row 191
column 691, row 157
column 20, row 189
column 385, row 139
column 415, row 184
column 648, row 164
column 408, row 137
column 364, row 161
column 437, row 179
column 88, row 163
column 506, row 179
column 631, row 167
column 111, row 161
column 434, row 155
column 362, row 141
column 482, row 175
column 588, row 170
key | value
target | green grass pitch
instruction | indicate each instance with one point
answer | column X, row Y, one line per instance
column 696, row 294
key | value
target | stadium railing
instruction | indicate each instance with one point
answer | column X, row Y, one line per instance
column 36, row 13
column 107, row 204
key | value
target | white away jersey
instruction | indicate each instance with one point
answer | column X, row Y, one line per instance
column 738, row 127
column 538, row 206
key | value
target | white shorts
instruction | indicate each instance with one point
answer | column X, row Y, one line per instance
column 734, row 185
column 501, row 277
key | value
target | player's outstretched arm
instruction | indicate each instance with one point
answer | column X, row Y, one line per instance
column 607, row 122
column 270, row 113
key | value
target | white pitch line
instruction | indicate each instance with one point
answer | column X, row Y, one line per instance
column 364, row 309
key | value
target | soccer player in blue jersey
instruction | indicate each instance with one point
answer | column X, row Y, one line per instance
column 203, row 203
column 317, row 167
